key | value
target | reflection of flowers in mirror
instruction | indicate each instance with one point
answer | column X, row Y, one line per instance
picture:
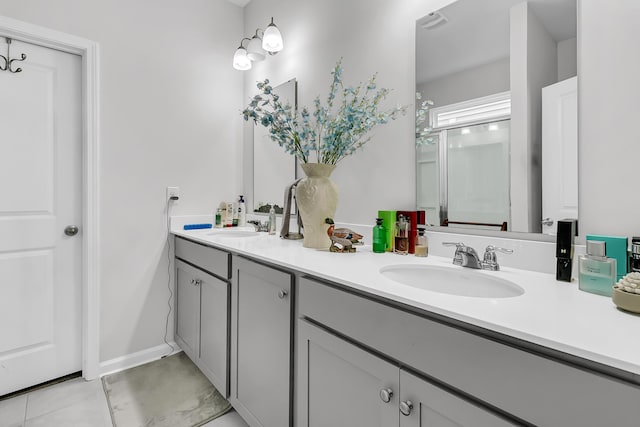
column 423, row 130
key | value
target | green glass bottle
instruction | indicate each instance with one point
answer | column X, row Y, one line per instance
column 379, row 237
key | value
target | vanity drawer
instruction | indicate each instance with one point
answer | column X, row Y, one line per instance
column 538, row 389
column 212, row 260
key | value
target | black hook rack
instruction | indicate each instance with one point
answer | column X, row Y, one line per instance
column 8, row 61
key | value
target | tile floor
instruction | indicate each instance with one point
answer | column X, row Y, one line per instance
column 76, row 403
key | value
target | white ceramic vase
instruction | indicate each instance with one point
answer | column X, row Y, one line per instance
column 317, row 198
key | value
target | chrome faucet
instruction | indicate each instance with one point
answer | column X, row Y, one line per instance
column 466, row 256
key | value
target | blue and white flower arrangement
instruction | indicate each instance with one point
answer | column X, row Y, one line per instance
column 333, row 130
column 423, row 130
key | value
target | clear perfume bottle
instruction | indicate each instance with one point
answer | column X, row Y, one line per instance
column 422, row 246
column 401, row 241
column 597, row 272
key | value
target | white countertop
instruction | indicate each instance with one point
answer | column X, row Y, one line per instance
column 550, row 313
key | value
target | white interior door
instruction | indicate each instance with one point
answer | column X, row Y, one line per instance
column 559, row 153
column 41, row 176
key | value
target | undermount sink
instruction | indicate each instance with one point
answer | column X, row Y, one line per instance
column 233, row 233
column 452, row 280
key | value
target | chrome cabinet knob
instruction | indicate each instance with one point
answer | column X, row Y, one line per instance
column 196, row 282
column 386, row 394
column 547, row 221
column 282, row 294
column 406, row 407
column 71, row 230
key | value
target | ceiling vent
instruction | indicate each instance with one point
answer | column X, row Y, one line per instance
column 433, row 20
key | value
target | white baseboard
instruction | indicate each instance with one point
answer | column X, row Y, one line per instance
column 138, row 358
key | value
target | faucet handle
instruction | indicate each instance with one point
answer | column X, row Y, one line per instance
column 460, row 247
column 490, row 261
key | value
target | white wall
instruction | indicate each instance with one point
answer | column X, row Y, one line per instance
column 486, row 79
column 169, row 116
column 609, row 108
column 567, row 58
column 379, row 36
column 370, row 36
column 534, row 60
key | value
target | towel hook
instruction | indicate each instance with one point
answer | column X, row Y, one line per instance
column 8, row 61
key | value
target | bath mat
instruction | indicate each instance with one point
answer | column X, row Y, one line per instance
column 170, row 392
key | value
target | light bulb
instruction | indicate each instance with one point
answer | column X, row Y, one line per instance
column 272, row 39
column 240, row 60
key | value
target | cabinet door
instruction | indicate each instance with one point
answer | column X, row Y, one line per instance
column 422, row 404
column 214, row 314
column 261, row 344
column 341, row 385
column 187, row 309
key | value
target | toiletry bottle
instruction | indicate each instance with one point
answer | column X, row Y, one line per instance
column 229, row 216
column 218, row 221
column 634, row 257
column 379, row 237
column 223, row 214
column 272, row 220
column 401, row 241
column 234, row 222
column 242, row 213
column 597, row 272
column 422, row 246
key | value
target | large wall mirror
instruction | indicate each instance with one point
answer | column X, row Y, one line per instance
column 500, row 150
column 273, row 168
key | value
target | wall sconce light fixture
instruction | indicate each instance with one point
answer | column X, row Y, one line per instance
column 257, row 47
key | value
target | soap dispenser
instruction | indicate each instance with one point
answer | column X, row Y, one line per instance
column 242, row 213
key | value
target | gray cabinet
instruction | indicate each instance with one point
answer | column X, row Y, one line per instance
column 528, row 388
column 202, row 312
column 187, row 308
column 261, row 343
column 422, row 404
column 341, row 385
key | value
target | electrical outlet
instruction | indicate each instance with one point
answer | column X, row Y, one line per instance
column 173, row 192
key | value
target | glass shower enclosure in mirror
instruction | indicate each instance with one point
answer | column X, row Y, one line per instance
column 273, row 168
column 500, row 152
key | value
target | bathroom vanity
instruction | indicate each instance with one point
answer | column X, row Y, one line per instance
column 322, row 339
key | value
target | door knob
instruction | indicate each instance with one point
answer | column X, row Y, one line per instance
column 386, row 394
column 547, row 221
column 71, row 230
column 406, row 407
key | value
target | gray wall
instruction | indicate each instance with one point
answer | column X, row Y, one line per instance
column 608, row 148
column 169, row 116
column 477, row 82
column 567, row 58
